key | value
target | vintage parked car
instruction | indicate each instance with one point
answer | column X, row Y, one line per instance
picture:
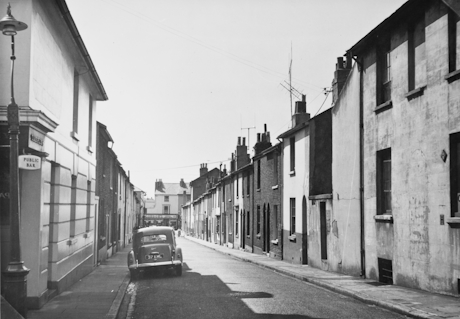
column 154, row 246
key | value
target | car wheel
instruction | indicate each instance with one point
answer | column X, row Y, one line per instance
column 179, row 270
column 134, row 274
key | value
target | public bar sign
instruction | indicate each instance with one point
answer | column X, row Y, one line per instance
column 29, row 162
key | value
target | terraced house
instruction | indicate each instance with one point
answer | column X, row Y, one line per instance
column 404, row 91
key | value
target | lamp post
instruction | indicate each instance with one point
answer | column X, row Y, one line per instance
column 15, row 282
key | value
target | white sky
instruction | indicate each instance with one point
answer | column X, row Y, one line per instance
column 184, row 77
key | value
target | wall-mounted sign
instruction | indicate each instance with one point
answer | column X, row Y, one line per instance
column 29, row 162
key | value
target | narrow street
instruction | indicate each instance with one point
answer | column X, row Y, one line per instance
column 214, row 285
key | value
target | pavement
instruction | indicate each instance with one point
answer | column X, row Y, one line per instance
column 100, row 294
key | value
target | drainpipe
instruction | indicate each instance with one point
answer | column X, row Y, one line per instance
column 361, row 167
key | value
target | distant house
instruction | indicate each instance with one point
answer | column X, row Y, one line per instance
column 267, row 222
column 169, row 198
column 197, row 209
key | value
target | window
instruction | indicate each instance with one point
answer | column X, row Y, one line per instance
column 275, row 215
column 237, row 186
column 384, row 182
column 248, row 228
column 455, row 174
column 416, row 54
column 258, row 219
column 292, row 153
column 258, row 174
column 90, row 124
column 166, row 198
column 275, row 168
column 452, row 36
column 292, row 216
column 236, row 222
column 384, row 72
column 76, row 89
column 248, row 184
column 166, row 209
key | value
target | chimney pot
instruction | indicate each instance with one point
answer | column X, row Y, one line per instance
column 265, row 128
column 244, row 141
column 239, row 141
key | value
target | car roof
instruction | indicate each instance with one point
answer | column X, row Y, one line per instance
column 154, row 230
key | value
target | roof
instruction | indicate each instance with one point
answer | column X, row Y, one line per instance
column 102, row 96
column 402, row 14
column 267, row 151
column 154, row 230
column 294, row 130
column 173, row 189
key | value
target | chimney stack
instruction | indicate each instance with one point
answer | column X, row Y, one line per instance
column 203, row 169
column 263, row 141
column 301, row 115
column 342, row 70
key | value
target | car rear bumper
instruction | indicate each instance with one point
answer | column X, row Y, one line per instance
column 155, row 264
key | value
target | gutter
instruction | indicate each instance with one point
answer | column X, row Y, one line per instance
column 81, row 46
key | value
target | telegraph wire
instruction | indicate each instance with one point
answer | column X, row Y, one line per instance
column 178, row 167
column 203, row 44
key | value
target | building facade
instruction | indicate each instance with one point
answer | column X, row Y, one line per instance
column 295, row 171
column 267, row 197
column 409, row 97
column 169, row 198
column 57, row 90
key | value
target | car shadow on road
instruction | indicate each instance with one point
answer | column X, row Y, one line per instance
column 194, row 295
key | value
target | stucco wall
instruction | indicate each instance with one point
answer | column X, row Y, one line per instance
column 295, row 186
column 345, row 243
column 425, row 252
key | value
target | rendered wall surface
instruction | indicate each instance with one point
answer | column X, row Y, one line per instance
column 345, row 239
column 423, row 250
column 295, row 186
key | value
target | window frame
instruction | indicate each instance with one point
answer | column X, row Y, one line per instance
column 454, row 140
column 258, row 220
column 292, row 153
column 383, row 73
column 292, row 217
column 384, row 190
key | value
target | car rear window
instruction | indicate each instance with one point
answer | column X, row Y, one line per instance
column 156, row 238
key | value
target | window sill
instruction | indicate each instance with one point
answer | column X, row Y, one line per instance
column 89, row 149
column 453, row 76
column 415, row 93
column 74, row 135
column 258, row 190
column 292, row 173
column 384, row 218
column 384, row 106
column 248, row 236
column 258, row 235
column 453, row 222
column 229, row 199
column 292, row 238
column 275, row 187
column 274, row 241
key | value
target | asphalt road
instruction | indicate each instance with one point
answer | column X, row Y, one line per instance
column 214, row 285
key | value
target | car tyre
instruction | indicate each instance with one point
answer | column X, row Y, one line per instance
column 179, row 270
